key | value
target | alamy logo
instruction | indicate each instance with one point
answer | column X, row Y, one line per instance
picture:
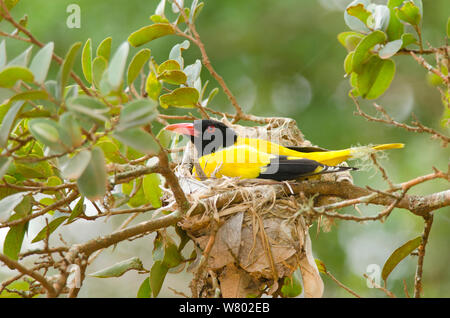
column 74, row 19
column 373, row 272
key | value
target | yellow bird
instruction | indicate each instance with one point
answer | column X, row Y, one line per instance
column 222, row 152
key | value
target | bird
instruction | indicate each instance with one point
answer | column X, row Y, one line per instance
column 222, row 152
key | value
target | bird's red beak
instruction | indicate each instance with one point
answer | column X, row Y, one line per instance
column 182, row 128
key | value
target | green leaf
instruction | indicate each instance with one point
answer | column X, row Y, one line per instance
column 30, row 95
column 9, row 203
column 362, row 51
column 67, row 66
column 13, row 241
column 11, row 74
column 177, row 50
column 86, row 106
column 86, row 60
column 360, row 12
column 93, row 181
column 3, row 58
column 395, row 28
column 31, row 170
column 136, row 65
column 173, row 77
column 152, row 191
column 169, row 65
column 137, row 113
column 111, row 151
column 320, row 266
column 79, row 209
column 137, row 139
column 398, row 255
column 352, row 22
column 211, row 95
column 348, row 62
column 138, row 199
column 104, row 48
column 157, row 275
column 153, row 86
column 375, row 77
column 5, row 162
column 8, row 122
column 41, row 63
column 158, row 19
column 390, row 49
column 408, row 39
column 98, row 68
column 47, row 230
column 185, row 97
column 116, row 67
column 193, row 73
column 76, row 165
column 47, row 132
column 409, row 13
column 22, row 59
column 70, row 131
column 292, row 286
column 16, row 285
column 350, row 39
column 150, row 33
column 145, row 290
column 120, row 268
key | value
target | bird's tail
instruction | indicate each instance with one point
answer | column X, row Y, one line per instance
column 333, row 158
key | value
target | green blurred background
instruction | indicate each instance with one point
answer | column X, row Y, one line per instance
column 282, row 58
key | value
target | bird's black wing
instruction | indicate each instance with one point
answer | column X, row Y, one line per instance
column 307, row 149
column 282, row 168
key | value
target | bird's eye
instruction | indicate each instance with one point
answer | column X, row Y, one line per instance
column 211, row 129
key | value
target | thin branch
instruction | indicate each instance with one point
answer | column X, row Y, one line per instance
column 421, row 251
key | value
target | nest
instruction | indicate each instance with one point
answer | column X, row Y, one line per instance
column 250, row 236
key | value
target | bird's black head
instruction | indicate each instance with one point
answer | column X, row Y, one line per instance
column 207, row 135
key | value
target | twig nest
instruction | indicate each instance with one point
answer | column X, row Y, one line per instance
column 249, row 237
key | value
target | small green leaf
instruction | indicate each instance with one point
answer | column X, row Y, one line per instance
column 157, row 275
column 47, row 230
column 362, row 51
column 11, row 74
column 185, row 97
column 86, row 61
column 137, row 139
column 30, row 95
column 320, row 266
column 360, row 12
column 8, row 122
column 375, row 77
column 150, row 33
column 90, row 107
column 41, row 63
column 348, row 62
column 390, row 49
column 211, row 95
column 408, row 39
column 137, row 113
column 173, row 77
column 22, row 59
column 352, row 22
column 70, row 131
column 111, row 151
column 98, row 68
column 153, row 86
column 350, row 39
column 398, row 255
column 145, row 290
column 104, row 48
column 158, row 19
column 152, row 191
column 67, row 66
column 120, row 268
column 116, row 67
column 32, row 170
column 169, row 65
column 9, row 5
column 46, row 131
column 76, row 165
column 79, row 209
column 136, row 65
column 409, row 13
column 292, row 286
column 93, row 181
column 13, row 241
column 395, row 28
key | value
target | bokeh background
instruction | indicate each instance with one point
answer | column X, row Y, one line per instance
column 282, row 58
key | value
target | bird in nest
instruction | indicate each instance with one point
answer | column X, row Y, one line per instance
column 222, row 152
